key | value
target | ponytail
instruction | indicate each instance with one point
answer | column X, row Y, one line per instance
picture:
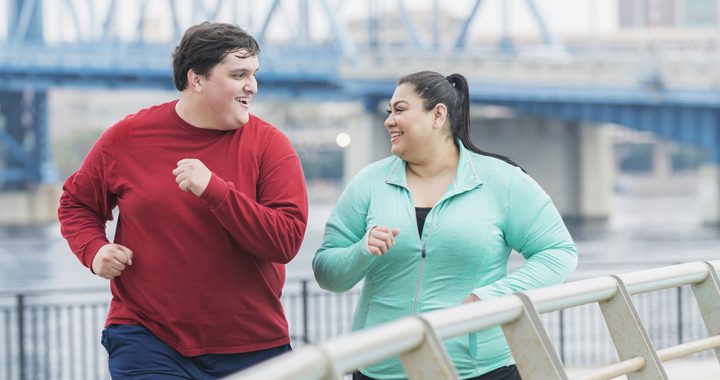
column 461, row 127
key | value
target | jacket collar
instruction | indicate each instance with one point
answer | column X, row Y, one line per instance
column 466, row 178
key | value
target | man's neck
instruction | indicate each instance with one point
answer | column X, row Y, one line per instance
column 191, row 114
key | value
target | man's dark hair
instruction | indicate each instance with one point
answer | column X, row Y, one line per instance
column 204, row 45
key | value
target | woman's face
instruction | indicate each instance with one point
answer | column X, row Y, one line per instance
column 410, row 126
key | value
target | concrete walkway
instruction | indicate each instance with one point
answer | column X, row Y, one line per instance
column 705, row 369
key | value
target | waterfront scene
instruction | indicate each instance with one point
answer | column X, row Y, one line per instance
column 611, row 106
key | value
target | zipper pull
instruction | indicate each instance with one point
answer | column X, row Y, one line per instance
column 423, row 252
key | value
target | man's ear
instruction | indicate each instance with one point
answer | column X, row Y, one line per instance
column 194, row 81
column 440, row 115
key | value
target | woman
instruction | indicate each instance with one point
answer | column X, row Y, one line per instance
column 470, row 209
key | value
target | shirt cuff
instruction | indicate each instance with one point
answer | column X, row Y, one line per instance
column 91, row 250
column 215, row 192
column 365, row 249
column 486, row 293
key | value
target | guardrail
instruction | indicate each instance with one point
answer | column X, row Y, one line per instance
column 418, row 339
column 55, row 334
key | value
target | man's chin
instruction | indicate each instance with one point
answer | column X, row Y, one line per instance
column 244, row 119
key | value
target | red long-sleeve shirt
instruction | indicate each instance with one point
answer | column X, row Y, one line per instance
column 207, row 271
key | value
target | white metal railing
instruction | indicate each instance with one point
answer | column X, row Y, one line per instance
column 418, row 339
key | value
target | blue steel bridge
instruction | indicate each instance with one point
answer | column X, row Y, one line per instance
column 338, row 50
column 341, row 50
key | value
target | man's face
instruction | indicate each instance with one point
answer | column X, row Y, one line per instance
column 228, row 90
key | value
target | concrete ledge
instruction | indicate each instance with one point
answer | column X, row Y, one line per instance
column 37, row 206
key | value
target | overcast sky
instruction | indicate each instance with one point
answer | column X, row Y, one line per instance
column 564, row 17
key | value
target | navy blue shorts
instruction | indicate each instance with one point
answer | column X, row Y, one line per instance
column 135, row 353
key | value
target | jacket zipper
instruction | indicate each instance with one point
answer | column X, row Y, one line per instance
column 422, row 266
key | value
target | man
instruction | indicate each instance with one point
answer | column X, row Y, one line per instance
column 212, row 204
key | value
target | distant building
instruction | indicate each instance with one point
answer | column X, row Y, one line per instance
column 668, row 13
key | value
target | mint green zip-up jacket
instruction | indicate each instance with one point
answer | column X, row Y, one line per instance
column 490, row 209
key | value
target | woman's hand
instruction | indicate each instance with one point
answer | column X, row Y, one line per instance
column 471, row 298
column 380, row 239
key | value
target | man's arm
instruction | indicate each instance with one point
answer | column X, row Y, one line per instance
column 271, row 228
column 86, row 205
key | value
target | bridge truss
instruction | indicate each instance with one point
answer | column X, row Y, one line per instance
column 339, row 50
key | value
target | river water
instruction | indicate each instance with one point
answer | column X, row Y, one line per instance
column 643, row 232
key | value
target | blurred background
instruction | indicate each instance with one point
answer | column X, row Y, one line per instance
column 613, row 106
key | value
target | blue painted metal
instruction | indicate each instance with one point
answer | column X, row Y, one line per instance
column 177, row 31
column 208, row 14
column 436, row 25
column 304, row 22
column 25, row 136
column 547, row 36
column 70, row 7
column 266, row 23
column 373, row 25
column 302, row 67
column 343, row 40
column 462, row 38
column 506, row 43
column 110, row 24
column 25, row 21
column 410, row 28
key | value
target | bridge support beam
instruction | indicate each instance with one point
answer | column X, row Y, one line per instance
column 35, row 206
column 369, row 141
column 709, row 193
column 571, row 161
column 26, row 168
column 25, row 158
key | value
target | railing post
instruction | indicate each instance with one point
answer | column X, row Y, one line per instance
column 629, row 335
column 531, row 347
column 430, row 361
column 707, row 295
column 562, row 336
column 21, row 334
column 679, row 315
column 306, row 332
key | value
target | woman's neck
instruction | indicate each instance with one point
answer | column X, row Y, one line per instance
column 441, row 160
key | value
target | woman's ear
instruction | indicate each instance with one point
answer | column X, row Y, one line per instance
column 440, row 115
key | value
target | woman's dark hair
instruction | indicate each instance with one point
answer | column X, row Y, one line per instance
column 433, row 88
column 204, row 45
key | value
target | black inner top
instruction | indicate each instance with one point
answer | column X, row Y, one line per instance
column 421, row 214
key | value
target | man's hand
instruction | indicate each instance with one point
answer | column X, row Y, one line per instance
column 192, row 175
column 110, row 260
column 380, row 239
